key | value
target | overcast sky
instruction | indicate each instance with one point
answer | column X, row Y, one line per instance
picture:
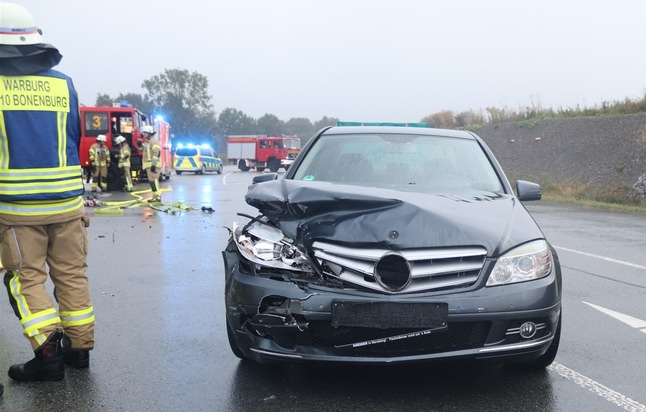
column 357, row 60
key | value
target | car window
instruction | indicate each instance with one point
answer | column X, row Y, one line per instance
column 186, row 151
column 410, row 162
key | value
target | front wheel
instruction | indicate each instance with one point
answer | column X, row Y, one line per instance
column 220, row 169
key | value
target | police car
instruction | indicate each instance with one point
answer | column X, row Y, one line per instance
column 196, row 159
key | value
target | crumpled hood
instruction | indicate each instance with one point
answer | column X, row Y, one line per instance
column 367, row 216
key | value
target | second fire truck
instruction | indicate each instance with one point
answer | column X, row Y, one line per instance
column 262, row 151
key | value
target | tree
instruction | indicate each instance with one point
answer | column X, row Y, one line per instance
column 299, row 126
column 103, row 100
column 324, row 122
column 270, row 125
column 232, row 122
column 182, row 98
column 133, row 99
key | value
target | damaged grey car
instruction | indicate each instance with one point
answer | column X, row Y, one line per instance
column 392, row 244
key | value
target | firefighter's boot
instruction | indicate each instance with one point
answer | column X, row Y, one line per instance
column 47, row 364
column 78, row 358
column 156, row 196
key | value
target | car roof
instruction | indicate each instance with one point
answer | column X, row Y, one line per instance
column 427, row 131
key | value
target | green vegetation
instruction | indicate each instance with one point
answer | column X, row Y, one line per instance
column 529, row 116
column 616, row 198
column 181, row 97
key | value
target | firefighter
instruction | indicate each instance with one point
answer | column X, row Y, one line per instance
column 43, row 229
column 150, row 159
column 124, row 161
column 100, row 158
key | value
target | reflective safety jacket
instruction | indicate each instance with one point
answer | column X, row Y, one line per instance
column 100, row 155
column 40, row 171
column 151, row 153
column 124, row 156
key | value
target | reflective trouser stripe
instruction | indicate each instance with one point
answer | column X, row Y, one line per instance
column 77, row 317
column 31, row 322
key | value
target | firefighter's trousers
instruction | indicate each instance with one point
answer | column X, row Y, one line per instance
column 27, row 253
column 153, row 179
column 127, row 175
column 100, row 178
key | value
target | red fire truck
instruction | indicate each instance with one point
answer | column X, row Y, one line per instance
column 262, row 151
column 126, row 121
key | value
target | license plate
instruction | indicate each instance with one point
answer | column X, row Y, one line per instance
column 386, row 315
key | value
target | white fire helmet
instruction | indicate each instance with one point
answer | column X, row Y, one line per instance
column 119, row 139
column 17, row 26
column 101, row 138
column 147, row 129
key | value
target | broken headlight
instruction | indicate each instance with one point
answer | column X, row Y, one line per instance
column 530, row 261
column 266, row 245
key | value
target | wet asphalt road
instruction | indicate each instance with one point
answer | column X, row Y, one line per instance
column 157, row 285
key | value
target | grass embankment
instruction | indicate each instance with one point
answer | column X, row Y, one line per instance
column 616, row 199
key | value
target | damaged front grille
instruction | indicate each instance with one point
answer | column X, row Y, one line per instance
column 458, row 336
column 405, row 271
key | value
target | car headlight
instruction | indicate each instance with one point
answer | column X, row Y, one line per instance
column 530, row 261
column 266, row 245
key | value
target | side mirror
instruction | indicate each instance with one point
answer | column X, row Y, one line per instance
column 528, row 190
column 265, row 178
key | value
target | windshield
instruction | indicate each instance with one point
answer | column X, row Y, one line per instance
column 409, row 162
column 292, row 143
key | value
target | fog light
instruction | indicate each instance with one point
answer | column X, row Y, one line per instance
column 527, row 330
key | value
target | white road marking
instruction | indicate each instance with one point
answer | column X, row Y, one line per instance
column 224, row 179
column 608, row 259
column 628, row 320
column 595, row 387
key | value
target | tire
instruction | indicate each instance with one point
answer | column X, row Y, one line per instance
column 259, row 169
column 179, row 172
column 202, row 171
column 232, row 342
column 242, row 165
column 274, row 165
column 115, row 179
column 220, row 169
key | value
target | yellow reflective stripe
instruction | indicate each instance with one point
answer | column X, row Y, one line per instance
column 4, row 145
column 39, row 319
column 14, row 290
column 77, row 317
column 61, row 122
column 45, row 180
column 41, row 173
column 39, row 337
column 42, row 187
column 47, row 207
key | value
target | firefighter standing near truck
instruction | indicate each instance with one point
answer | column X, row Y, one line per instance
column 42, row 223
column 100, row 161
column 124, row 161
column 151, row 150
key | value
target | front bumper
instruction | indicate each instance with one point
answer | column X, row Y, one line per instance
column 277, row 320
